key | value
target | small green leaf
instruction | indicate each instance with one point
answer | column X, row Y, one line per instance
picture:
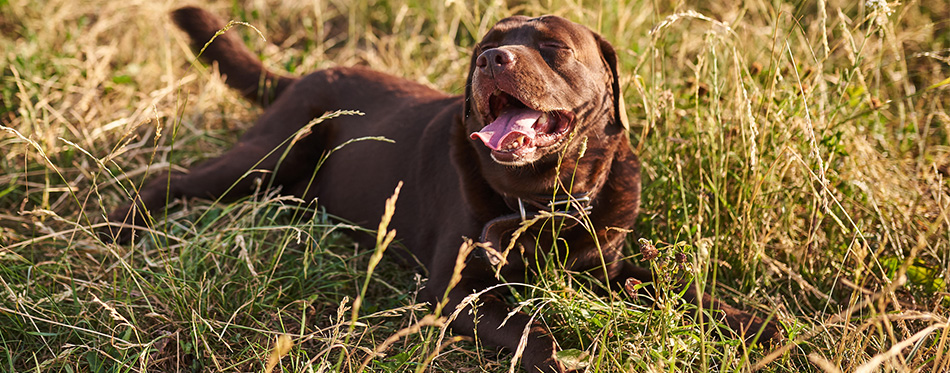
column 122, row 79
column 573, row 359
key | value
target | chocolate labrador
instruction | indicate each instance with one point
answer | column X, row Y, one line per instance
column 536, row 148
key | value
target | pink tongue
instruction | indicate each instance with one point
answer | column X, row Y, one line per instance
column 510, row 126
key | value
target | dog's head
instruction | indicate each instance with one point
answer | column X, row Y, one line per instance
column 535, row 83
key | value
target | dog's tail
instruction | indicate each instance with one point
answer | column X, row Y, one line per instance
column 243, row 71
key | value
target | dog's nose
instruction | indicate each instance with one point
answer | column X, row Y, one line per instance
column 495, row 59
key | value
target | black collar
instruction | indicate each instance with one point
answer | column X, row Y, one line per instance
column 561, row 203
column 571, row 208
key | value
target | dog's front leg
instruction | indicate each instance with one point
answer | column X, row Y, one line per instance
column 743, row 323
column 488, row 318
column 476, row 308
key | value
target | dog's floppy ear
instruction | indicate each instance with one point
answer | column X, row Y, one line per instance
column 610, row 58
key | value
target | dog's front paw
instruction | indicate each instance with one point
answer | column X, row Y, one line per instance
column 540, row 355
column 119, row 230
column 749, row 327
column 549, row 365
column 772, row 332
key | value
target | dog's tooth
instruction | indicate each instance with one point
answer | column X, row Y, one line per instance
column 516, row 143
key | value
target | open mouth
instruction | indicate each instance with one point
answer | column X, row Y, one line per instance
column 516, row 130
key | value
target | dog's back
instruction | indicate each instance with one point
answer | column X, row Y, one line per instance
column 408, row 115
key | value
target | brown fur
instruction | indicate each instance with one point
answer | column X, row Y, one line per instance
column 455, row 186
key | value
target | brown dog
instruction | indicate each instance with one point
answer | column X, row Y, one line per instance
column 540, row 135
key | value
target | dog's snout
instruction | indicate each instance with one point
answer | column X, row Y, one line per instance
column 495, row 59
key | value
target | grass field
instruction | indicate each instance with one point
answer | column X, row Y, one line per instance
column 798, row 153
